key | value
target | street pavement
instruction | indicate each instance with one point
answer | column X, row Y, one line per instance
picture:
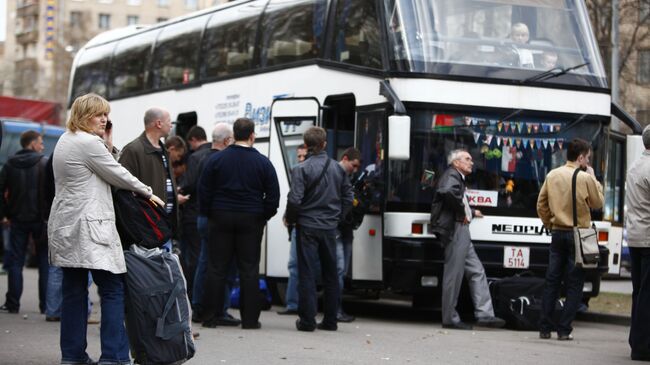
column 385, row 332
column 620, row 286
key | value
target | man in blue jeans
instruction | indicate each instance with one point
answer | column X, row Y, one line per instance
column 350, row 162
column 22, row 209
column 555, row 209
column 292, row 281
column 320, row 196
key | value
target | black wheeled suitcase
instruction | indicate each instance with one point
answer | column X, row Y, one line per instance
column 158, row 311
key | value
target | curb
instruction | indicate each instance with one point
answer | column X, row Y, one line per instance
column 604, row 318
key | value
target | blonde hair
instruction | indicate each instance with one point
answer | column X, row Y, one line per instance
column 83, row 109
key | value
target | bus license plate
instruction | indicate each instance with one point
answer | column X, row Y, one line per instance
column 516, row 257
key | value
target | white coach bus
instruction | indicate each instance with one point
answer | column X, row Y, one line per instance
column 405, row 81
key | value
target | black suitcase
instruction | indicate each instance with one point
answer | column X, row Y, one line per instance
column 157, row 308
column 518, row 300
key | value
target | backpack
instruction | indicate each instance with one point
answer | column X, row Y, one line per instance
column 140, row 221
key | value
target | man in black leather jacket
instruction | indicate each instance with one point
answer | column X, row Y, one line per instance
column 22, row 207
column 450, row 218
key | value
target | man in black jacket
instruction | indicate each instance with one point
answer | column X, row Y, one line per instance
column 320, row 196
column 22, row 208
column 239, row 191
column 450, row 218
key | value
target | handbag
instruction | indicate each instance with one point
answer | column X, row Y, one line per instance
column 585, row 240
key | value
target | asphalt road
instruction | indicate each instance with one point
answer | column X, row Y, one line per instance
column 386, row 332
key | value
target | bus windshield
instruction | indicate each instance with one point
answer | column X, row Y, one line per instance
column 511, row 158
column 495, row 39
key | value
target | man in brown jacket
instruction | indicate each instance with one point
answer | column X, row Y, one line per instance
column 555, row 208
column 147, row 159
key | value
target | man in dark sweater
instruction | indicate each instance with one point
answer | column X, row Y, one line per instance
column 320, row 197
column 239, row 192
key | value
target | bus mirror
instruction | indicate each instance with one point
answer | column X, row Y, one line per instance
column 399, row 137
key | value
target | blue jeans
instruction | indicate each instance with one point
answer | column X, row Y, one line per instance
column 317, row 245
column 15, row 260
column 561, row 265
column 292, row 282
column 55, row 293
column 74, row 320
column 343, row 258
column 198, row 287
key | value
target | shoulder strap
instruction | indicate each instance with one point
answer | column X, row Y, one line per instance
column 315, row 182
column 573, row 196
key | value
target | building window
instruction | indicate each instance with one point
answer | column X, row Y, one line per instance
column 163, row 3
column 75, row 18
column 160, row 20
column 104, row 21
column 191, row 4
column 132, row 19
column 643, row 64
column 134, row 2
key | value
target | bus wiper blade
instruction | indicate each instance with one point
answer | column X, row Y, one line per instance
column 554, row 72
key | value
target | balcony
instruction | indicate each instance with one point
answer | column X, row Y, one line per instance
column 25, row 37
column 30, row 9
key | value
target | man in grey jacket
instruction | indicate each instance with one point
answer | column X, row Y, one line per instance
column 320, row 196
column 637, row 222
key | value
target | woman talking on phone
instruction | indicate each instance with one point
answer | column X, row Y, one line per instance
column 82, row 233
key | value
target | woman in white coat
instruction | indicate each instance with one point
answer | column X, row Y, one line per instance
column 82, row 233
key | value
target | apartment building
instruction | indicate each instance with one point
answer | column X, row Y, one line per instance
column 44, row 35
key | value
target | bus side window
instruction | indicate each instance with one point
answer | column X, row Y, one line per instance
column 130, row 67
column 356, row 34
column 176, row 54
column 229, row 40
column 292, row 31
column 91, row 75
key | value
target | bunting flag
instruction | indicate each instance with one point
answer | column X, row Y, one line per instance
column 507, row 126
column 529, row 127
column 551, row 142
column 477, row 136
column 493, row 122
column 520, row 125
column 468, row 121
column 535, row 127
column 518, row 142
column 499, row 126
column 488, row 138
column 545, row 127
column 556, row 128
column 538, row 143
column 532, row 143
column 498, row 141
column 545, row 143
column 560, row 142
column 526, row 142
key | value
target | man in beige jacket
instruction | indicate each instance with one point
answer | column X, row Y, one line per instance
column 555, row 208
column 637, row 222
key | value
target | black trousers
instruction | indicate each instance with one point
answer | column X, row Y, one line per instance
column 238, row 235
column 640, row 328
column 190, row 249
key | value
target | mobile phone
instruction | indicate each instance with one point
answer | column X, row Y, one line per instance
column 109, row 125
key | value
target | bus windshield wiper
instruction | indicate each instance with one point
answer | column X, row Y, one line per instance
column 554, row 72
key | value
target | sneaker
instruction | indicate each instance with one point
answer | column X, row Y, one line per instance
column 301, row 326
column 52, row 319
column 567, row 337
column 544, row 335
column 288, row 311
column 491, row 322
column 326, row 327
column 4, row 308
column 344, row 317
column 458, row 326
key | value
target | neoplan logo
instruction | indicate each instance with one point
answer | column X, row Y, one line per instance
column 520, row 229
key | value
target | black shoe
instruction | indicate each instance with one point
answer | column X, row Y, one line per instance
column 567, row 337
column 458, row 326
column 301, row 326
column 4, row 308
column 288, row 312
column 344, row 317
column 52, row 319
column 640, row 356
column 544, row 335
column 196, row 318
column 326, row 327
column 491, row 322
column 253, row 326
column 227, row 320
